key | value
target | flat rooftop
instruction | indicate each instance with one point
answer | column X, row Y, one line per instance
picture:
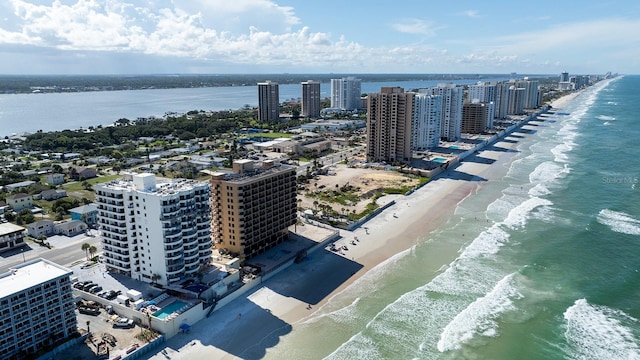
column 30, row 274
column 8, row 228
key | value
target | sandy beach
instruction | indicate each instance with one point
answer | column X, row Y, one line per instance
column 248, row 327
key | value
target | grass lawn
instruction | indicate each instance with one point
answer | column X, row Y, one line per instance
column 271, row 135
column 77, row 185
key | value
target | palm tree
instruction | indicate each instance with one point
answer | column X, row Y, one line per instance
column 92, row 250
column 85, row 247
column 154, row 278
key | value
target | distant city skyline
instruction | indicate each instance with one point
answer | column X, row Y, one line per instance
column 265, row 36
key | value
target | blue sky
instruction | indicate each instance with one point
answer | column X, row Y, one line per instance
column 302, row 36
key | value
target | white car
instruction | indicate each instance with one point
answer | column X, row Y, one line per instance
column 124, row 323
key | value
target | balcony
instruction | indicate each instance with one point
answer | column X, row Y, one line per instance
column 173, row 271
column 191, row 256
column 172, row 231
column 172, row 241
column 174, row 256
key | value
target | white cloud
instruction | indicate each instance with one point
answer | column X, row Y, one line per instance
column 261, row 34
column 414, row 26
column 470, row 13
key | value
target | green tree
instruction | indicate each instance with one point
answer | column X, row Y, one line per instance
column 10, row 216
column 86, row 185
column 92, row 250
column 85, row 247
column 155, row 278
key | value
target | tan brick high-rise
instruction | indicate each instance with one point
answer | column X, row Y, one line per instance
column 252, row 207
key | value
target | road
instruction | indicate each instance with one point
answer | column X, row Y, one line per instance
column 65, row 250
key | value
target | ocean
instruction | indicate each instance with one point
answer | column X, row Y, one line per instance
column 544, row 259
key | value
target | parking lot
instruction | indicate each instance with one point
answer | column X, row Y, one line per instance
column 101, row 327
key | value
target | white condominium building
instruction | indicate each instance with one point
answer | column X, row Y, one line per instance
column 427, row 112
column 36, row 309
column 484, row 92
column 516, row 101
column 346, row 93
column 451, row 120
column 531, row 92
column 155, row 231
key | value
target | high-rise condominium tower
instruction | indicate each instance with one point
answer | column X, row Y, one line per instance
column 311, row 99
column 154, row 231
column 345, row 93
column 451, row 121
column 268, row 102
column 389, row 117
column 253, row 207
column 427, row 112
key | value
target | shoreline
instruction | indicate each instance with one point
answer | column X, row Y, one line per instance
column 272, row 310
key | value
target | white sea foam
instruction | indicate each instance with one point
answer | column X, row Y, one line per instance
column 619, row 222
column 560, row 151
column 463, row 278
column 479, row 318
column 612, row 103
column 518, row 215
column 547, row 172
column 599, row 332
column 539, row 190
column 499, row 208
column 605, row 117
column 488, row 242
column 357, row 347
column 403, row 327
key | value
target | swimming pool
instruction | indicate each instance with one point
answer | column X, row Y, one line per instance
column 440, row 160
column 169, row 309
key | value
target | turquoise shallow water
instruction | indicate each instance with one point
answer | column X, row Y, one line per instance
column 547, row 267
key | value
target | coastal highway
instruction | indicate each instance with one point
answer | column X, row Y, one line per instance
column 64, row 251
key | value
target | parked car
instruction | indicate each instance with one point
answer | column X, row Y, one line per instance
column 110, row 295
column 89, row 311
column 95, row 289
column 88, row 285
column 123, row 323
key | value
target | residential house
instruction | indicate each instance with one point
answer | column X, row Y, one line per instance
column 54, row 179
column 82, row 173
column 70, row 228
column 20, row 201
column 53, row 194
column 19, row 185
column 85, row 213
column 40, row 228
